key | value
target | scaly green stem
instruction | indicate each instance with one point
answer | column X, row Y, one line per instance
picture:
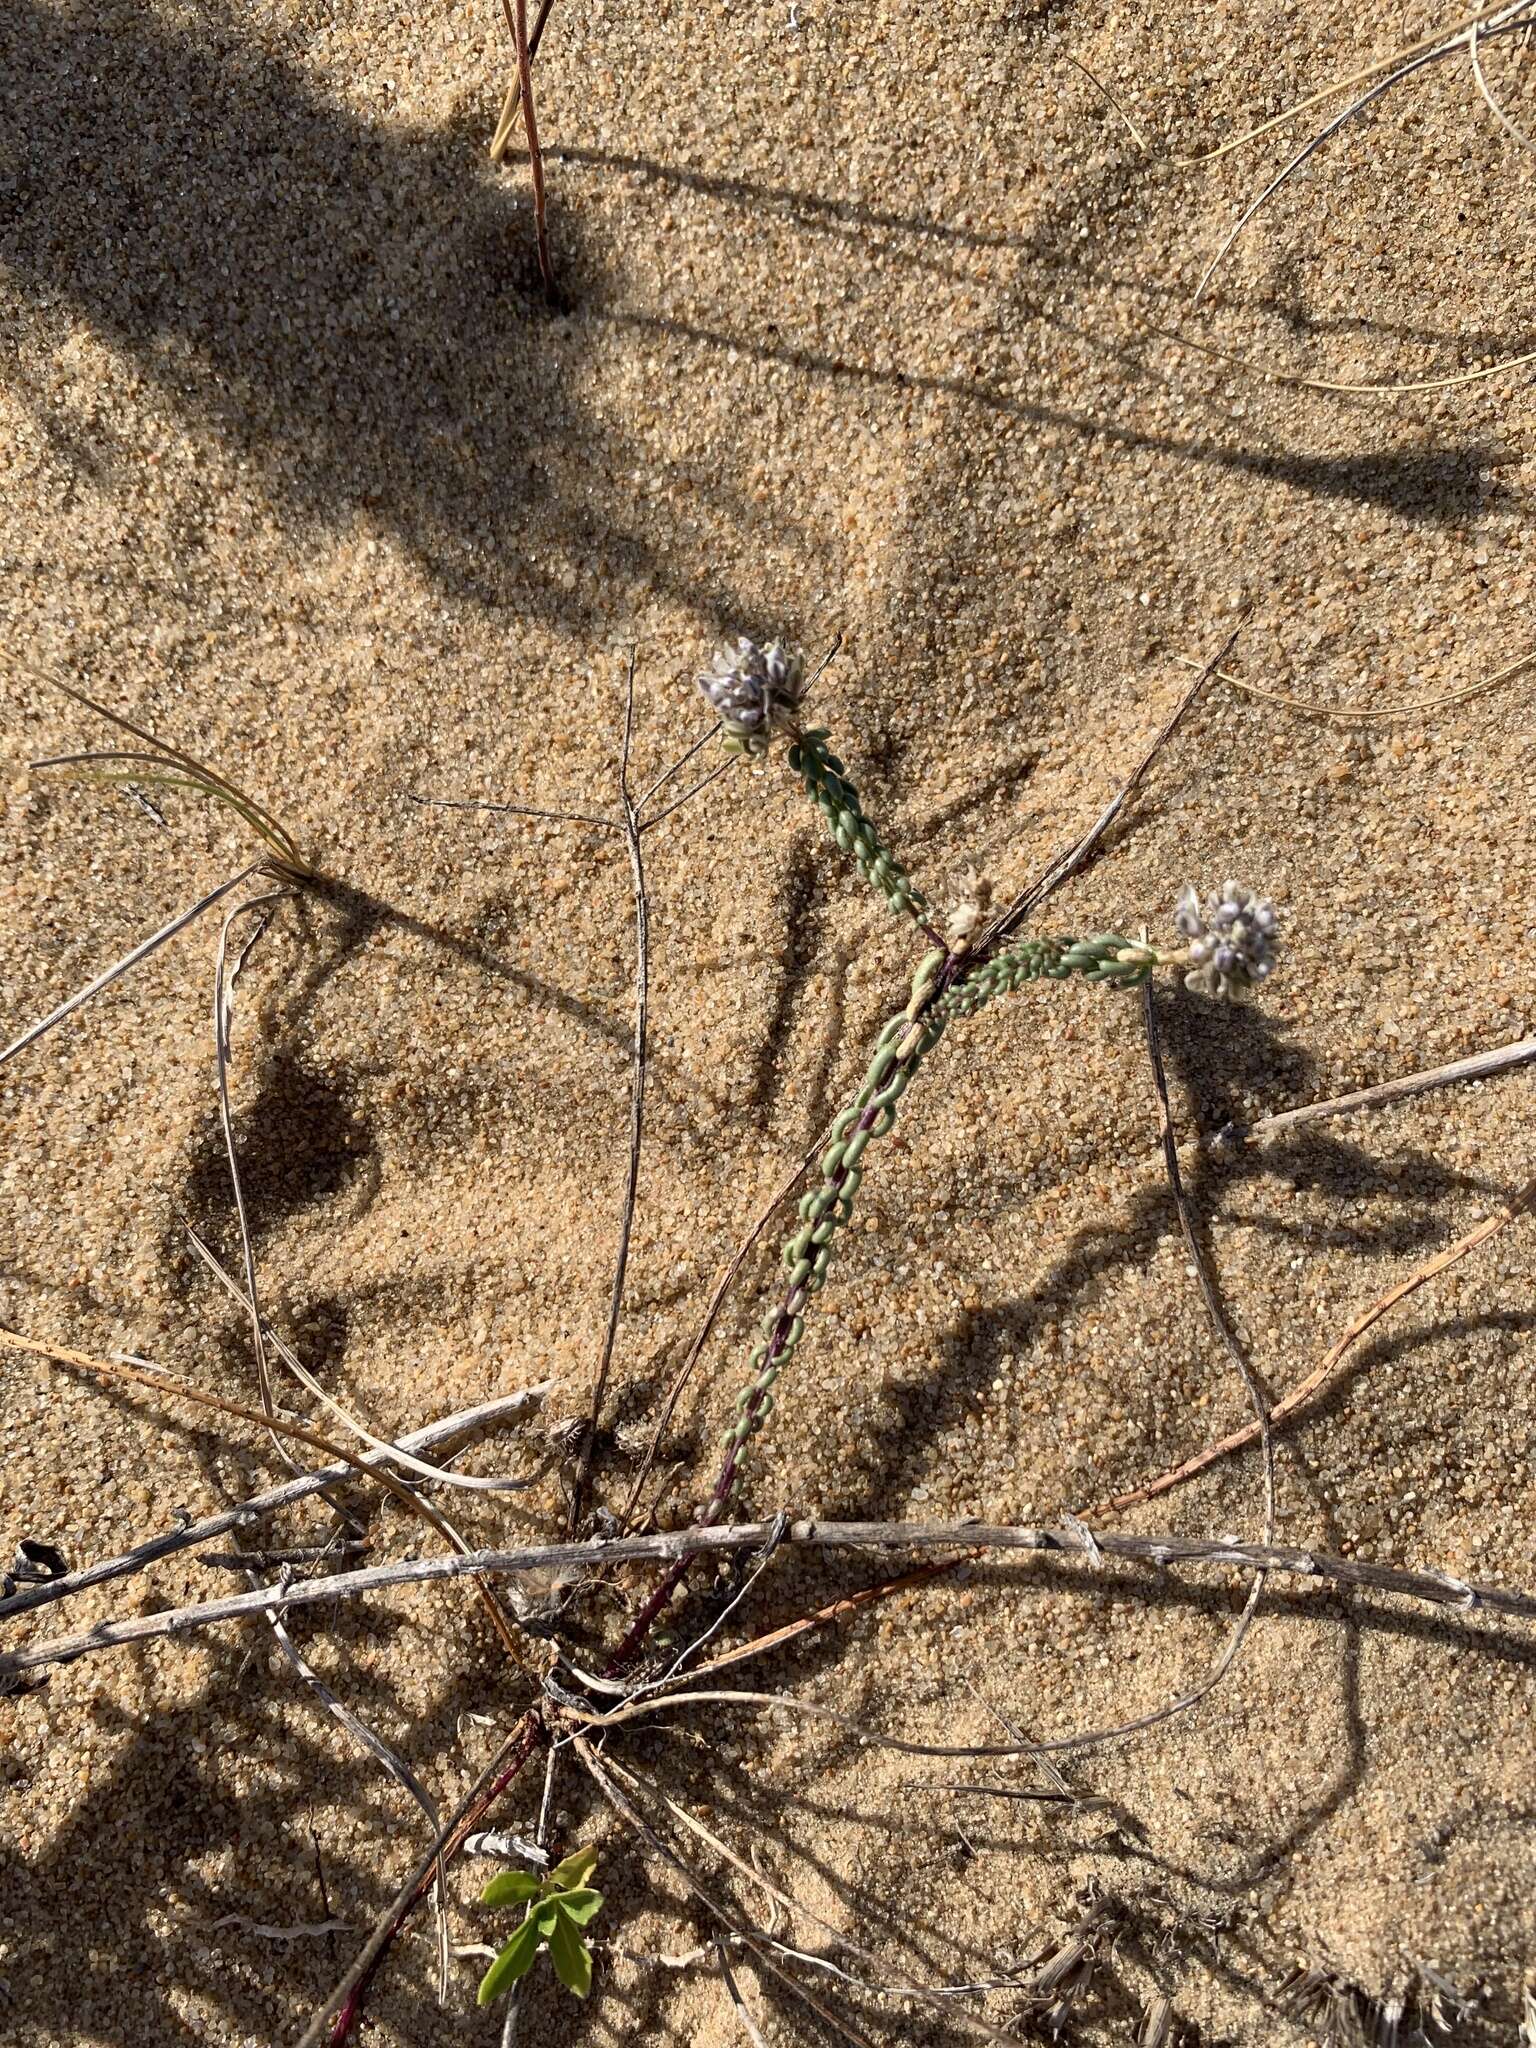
column 836, row 798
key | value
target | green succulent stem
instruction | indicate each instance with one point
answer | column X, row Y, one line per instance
column 900, row 1050
column 828, row 786
column 1106, row 957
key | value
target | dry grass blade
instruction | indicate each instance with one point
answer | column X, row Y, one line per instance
column 1100, row 87
column 139, row 1372
column 1441, row 39
column 473, row 803
column 1333, row 1358
column 755, row 1942
column 375, row 1745
column 1366, row 713
column 1252, row 367
column 282, row 850
column 129, row 961
column 928, row 1994
column 398, row 1453
column 1303, row 156
column 694, row 789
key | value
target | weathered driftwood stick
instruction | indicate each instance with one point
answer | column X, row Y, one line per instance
column 1076, row 1541
column 1477, row 1067
column 188, row 1537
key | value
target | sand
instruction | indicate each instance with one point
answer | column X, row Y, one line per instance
column 856, row 335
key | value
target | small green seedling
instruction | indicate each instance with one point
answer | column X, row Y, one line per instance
column 559, row 1906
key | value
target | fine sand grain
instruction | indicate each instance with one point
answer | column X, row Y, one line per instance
column 863, row 330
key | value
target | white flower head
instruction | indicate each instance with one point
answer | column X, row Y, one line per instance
column 754, row 691
column 1231, row 938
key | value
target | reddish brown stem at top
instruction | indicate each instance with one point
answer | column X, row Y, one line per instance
column 516, row 12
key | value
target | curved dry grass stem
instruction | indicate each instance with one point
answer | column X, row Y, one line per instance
column 397, row 1453
column 282, row 850
column 1100, row 87
column 1503, row 20
column 1276, row 374
column 1367, row 713
column 1442, row 37
column 1511, row 128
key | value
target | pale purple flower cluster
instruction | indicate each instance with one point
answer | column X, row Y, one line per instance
column 1231, row 938
column 754, row 690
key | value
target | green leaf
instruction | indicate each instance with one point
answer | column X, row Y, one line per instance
column 571, row 1957
column 515, row 1960
column 546, row 1918
column 574, row 1871
column 578, row 1906
column 511, row 1888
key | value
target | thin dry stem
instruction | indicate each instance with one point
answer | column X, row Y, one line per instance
column 1367, row 713
column 1478, row 1066
column 630, row 824
column 139, row 1372
column 1071, row 1541
column 1075, row 857
column 192, row 1534
column 1332, row 1359
column 140, row 952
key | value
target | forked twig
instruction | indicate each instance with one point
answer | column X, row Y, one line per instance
column 509, row 105
column 139, row 1372
column 516, row 12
